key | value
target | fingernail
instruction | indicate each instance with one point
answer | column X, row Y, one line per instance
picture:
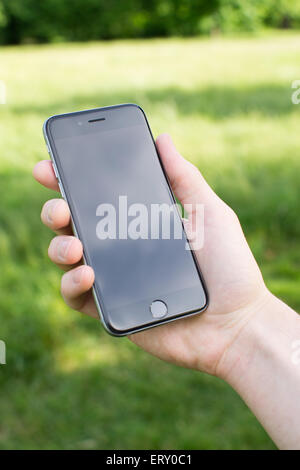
column 63, row 248
column 77, row 274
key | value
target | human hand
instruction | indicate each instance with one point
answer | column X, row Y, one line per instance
column 234, row 282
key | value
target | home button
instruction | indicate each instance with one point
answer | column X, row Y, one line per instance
column 158, row 309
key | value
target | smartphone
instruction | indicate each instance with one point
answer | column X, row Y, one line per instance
column 111, row 176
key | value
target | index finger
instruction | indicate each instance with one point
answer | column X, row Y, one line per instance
column 43, row 172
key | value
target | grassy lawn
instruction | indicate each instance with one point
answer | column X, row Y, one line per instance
column 227, row 103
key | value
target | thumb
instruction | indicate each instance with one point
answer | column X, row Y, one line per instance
column 186, row 181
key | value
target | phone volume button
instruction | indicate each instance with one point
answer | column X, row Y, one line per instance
column 55, row 170
column 61, row 190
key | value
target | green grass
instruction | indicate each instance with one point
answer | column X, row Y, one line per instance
column 227, row 103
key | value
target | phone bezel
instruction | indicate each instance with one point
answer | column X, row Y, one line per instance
column 99, row 304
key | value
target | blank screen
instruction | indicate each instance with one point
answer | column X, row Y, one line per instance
column 98, row 163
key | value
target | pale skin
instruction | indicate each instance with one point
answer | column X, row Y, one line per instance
column 245, row 336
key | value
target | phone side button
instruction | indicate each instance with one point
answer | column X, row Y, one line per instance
column 61, row 190
column 55, row 171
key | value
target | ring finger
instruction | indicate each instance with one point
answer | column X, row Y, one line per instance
column 66, row 251
column 56, row 215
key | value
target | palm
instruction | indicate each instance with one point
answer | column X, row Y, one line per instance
column 233, row 280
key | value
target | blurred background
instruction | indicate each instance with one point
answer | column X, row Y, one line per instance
column 217, row 76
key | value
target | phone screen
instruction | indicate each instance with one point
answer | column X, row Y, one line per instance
column 115, row 186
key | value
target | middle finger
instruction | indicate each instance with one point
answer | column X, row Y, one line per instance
column 65, row 250
column 56, row 215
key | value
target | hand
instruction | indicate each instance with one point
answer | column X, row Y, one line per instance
column 234, row 282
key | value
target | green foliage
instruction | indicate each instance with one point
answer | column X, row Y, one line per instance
column 80, row 20
column 26, row 21
column 227, row 104
column 282, row 13
column 252, row 15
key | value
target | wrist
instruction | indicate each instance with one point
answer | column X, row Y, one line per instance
column 261, row 366
column 269, row 325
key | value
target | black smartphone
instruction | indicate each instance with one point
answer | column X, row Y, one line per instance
column 111, row 176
